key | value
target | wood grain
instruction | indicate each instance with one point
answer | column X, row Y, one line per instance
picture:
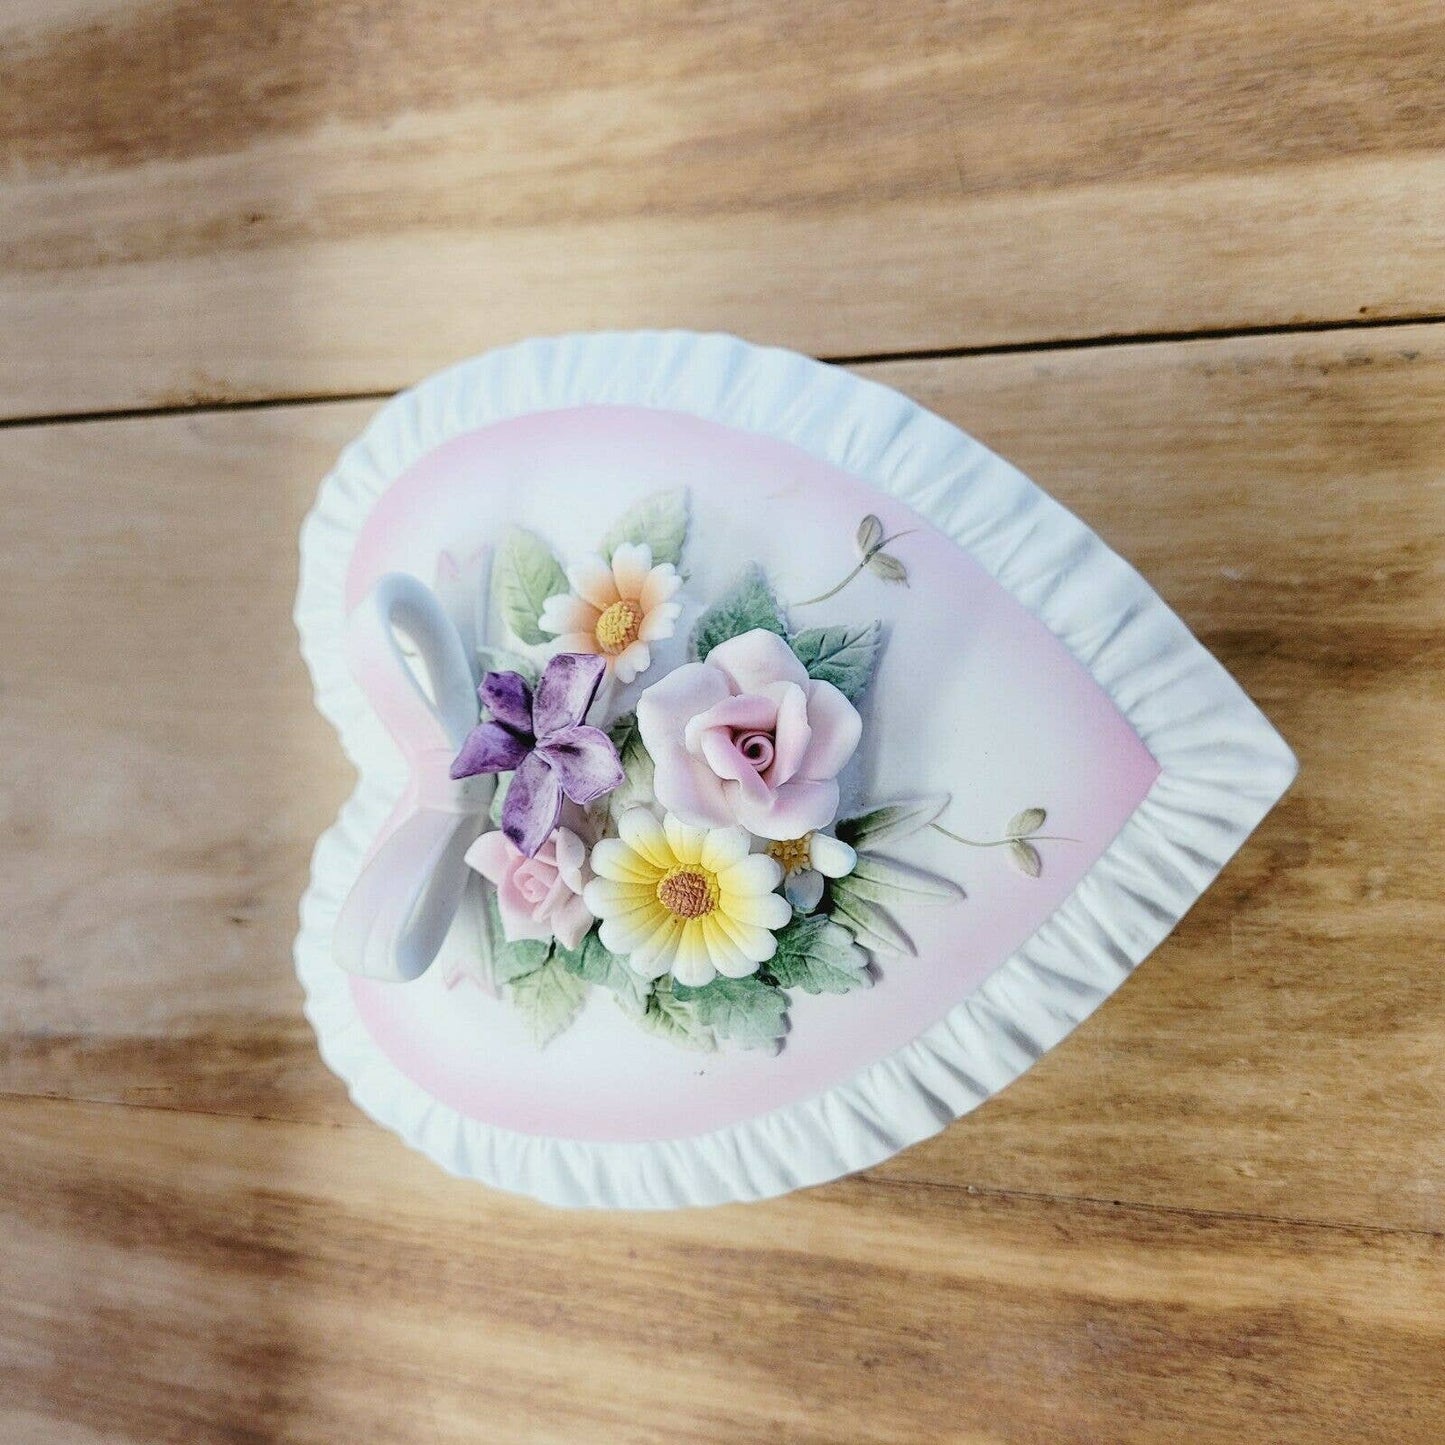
column 305, row 1284
column 1278, row 1056
column 278, row 197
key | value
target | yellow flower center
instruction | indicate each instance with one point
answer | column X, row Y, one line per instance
column 793, row 854
column 619, row 625
column 687, row 892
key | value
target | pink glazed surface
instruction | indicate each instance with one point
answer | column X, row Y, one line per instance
column 974, row 697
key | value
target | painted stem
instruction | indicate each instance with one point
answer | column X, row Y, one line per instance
column 872, row 553
column 1001, row 842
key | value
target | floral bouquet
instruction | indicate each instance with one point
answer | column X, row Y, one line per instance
column 686, row 854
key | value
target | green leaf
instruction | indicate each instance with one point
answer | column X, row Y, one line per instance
column 499, row 796
column 637, row 767
column 676, row 1020
column 883, row 879
column 844, row 656
column 503, row 659
column 596, row 964
column 1026, row 858
column 524, row 576
column 818, row 956
column 659, row 520
column 892, row 821
column 548, row 1000
column 871, row 926
column 510, row 961
column 749, row 606
column 747, row 1010
column 1029, row 821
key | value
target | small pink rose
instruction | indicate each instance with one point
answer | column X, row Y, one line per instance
column 539, row 897
column 748, row 737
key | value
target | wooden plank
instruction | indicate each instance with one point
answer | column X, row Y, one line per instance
column 280, row 198
column 1279, row 1055
column 180, row 1278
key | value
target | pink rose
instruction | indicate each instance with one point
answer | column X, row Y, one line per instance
column 748, row 737
column 539, row 897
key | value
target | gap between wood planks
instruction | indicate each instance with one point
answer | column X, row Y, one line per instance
column 943, row 353
column 882, row 1180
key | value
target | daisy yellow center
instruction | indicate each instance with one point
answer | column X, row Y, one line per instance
column 687, row 892
column 619, row 625
column 793, row 854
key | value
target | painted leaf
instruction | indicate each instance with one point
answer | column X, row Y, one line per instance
column 524, row 576
column 676, row 1020
column 818, row 956
column 882, row 879
column 659, row 520
column 871, row 925
column 888, row 567
column 637, row 767
column 844, row 656
column 503, row 659
column 548, row 1000
column 747, row 1010
column 1029, row 821
column 1026, row 858
column 892, row 821
column 870, row 534
column 750, row 605
column 595, row 964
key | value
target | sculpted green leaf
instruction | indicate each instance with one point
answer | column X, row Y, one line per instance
column 677, row 1021
column 596, row 964
column 499, row 796
column 870, row 924
column 548, row 1000
column 818, row 956
column 747, row 1010
column 503, row 659
column 659, row 520
column 883, row 879
column 844, row 656
column 524, row 576
column 637, row 767
column 749, row 606
column 511, row 961
column 1029, row 821
column 892, row 821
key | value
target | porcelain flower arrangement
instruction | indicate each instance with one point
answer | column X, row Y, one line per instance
column 685, row 853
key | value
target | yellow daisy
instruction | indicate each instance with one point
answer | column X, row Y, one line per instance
column 616, row 609
column 693, row 902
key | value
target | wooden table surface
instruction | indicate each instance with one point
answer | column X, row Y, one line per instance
column 1183, row 262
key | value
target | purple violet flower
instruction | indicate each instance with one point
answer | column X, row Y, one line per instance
column 544, row 743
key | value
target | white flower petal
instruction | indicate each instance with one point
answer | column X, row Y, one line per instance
column 831, row 856
column 685, row 841
column 692, row 962
column 609, row 898
column 631, row 562
column 661, row 586
column 660, row 622
column 591, row 578
column 641, row 831
column 630, row 661
column 613, row 858
column 757, row 873
column 566, row 613
column 761, row 910
column 723, row 847
column 655, row 954
column 756, row 944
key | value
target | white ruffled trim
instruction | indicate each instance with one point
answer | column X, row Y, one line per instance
column 1223, row 766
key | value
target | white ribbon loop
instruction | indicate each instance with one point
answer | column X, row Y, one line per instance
column 399, row 910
